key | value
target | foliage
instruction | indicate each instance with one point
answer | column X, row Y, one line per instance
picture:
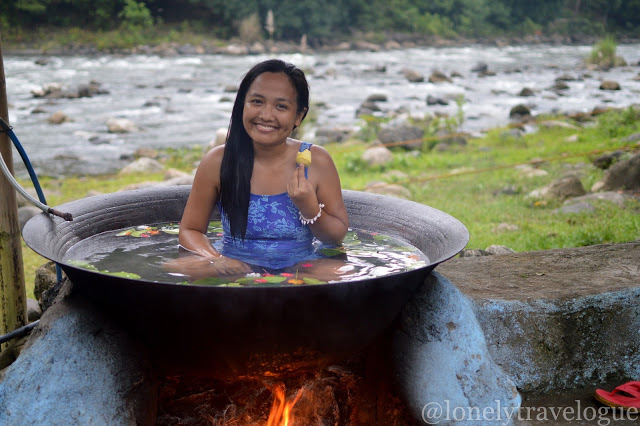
column 135, row 16
column 604, row 52
column 250, row 29
column 323, row 19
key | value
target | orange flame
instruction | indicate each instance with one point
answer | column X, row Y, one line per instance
column 280, row 414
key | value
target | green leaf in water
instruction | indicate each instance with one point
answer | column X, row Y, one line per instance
column 122, row 274
column 381, row 237
column 171, row 228
column 274, row 279
column 82, row 264
column 309, row 280
column 330, row 251
column 210, row 281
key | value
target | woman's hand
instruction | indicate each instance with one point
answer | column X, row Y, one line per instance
column 302, row 192
column 196, row 267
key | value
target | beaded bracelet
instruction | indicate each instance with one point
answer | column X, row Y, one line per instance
column 306, row 221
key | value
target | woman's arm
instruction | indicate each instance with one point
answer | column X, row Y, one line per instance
column 333, row 223
column 200, row 205
column 196, row 217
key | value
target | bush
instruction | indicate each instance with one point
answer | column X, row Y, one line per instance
column 603, row 54
column 135, row 16
column 250, row 29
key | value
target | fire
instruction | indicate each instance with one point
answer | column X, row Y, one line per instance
column 280, row 414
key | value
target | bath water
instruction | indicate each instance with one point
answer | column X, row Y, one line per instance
column 140, row 252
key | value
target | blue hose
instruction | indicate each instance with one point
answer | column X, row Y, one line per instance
column 34, row 179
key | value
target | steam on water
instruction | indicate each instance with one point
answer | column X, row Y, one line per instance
column 140, row 252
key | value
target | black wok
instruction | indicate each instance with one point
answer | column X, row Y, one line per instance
column 231, row 332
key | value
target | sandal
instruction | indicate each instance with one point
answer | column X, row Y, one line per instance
column 625, row 396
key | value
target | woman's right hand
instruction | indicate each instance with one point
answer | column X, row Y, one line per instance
column 196, row 267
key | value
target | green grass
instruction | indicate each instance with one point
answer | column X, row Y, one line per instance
column 467, row 184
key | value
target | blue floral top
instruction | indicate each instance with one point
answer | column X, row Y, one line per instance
column 275, row 237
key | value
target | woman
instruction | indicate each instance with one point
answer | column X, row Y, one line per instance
column 270, row 205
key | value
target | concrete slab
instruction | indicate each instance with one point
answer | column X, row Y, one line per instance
column 560, row 319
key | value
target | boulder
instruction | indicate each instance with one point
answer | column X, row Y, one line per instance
column 378, row 156
column 439, row 77
column 78, row 367
column 561, row 189
column 400, row 133
column 520, row 112
column 606, row 160
column 610, row 85
column 624, row 174
column 142, row 165
column 58, row 117
column 526, row 92
column 413, row 76
column 390, row 189
column 442, row 359
column 433, row 100
column 120, row 125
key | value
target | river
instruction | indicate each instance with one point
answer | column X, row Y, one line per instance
column 180, row 101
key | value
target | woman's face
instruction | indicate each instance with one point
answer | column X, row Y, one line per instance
column 270, row 109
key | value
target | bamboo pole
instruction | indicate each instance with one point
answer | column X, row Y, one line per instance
column 13, row 297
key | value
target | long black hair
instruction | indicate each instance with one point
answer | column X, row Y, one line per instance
column 237, row 163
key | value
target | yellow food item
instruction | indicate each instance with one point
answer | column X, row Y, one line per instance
column 304, row 157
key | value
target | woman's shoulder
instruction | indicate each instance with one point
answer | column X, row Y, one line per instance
column 214, row 155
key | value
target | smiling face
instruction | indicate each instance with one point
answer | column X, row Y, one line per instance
column 270, row 109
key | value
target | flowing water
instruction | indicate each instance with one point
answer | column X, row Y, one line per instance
column 181, row 101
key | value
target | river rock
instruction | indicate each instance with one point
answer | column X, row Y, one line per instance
column 58, row 117
column 400, row 133
column 566, row 77
column 377, row 156
column 526, row 92
column 610, row 196
column 377, row 97
column 367, row 108
column 413, row 76
column 120, row 125
column 433, row 100
column 438, row 328
column 624, row 174
column 610, row 85
column 559, row 86
column 142, row 165
column 520, row 112
column 480, row 67
column 439, row 77
column 146, row 152
column 47, row 89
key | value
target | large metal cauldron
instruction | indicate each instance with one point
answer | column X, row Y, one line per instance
column 230, row 332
